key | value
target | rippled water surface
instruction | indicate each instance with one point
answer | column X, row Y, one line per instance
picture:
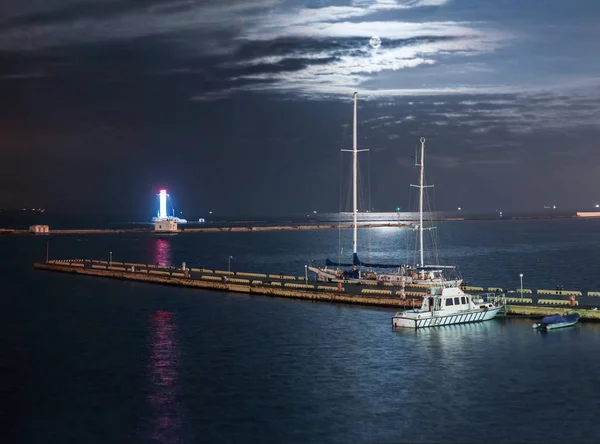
column 95, row 360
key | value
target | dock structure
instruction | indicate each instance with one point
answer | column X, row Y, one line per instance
column 383, row 294
column 278, row 285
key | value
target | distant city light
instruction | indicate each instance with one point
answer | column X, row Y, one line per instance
column 459, row 208
column 597, row 205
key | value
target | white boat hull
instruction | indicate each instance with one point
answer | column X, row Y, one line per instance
column 327, row 275
column 424, row 319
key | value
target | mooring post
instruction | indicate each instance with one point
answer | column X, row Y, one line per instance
column 306, row 274
column 47, row 248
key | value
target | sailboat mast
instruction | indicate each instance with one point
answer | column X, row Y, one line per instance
column 354, row 180
column 421, row 187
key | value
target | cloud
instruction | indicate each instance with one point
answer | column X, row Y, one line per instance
column 319, row 34
column 319, row 51
column 265, row 44
column 322, row 27
column 66, row 22
column 349, row 69
column 551, row 110
column 376, row 119
column 94, row 22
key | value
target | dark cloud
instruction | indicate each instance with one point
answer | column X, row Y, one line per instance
column 69, row 13
column 242, row 107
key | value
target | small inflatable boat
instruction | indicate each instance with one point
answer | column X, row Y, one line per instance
column 557, row 321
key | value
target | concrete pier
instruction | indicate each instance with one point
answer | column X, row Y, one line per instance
column 537, row 311
column 249, row 283
column 530, row 304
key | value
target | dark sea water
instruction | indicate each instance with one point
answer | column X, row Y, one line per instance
column 91, row 360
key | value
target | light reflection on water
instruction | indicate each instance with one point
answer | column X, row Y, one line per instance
column 164, row 368
column 162, row 252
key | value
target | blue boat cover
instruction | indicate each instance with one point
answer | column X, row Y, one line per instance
column 330, row 263
column 554, row 319
column 356, row 262
column 558, row 319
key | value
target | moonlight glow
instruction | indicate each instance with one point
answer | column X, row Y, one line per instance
column 375, row 42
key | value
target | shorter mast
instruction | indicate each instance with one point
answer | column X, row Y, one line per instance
column 421, row 198
column 421, row 163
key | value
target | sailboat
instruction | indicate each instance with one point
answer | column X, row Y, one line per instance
column 445, row 302
column 422, row 274
column 359, row 271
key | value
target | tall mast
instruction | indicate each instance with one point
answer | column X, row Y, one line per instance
column 354, row 180
column 421, row 186
column 355, row 152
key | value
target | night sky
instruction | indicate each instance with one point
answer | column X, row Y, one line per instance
column 241, row 107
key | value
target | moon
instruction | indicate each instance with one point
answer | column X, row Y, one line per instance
column 375, row 42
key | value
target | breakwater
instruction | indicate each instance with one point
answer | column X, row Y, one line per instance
column 208, row 229
column 528, row 303
column 291, row 226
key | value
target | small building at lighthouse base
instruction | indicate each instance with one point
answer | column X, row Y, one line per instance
column 165, row 225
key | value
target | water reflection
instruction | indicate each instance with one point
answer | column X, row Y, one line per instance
column 449, row 334
column 166, row 419
column 162, row 252
column 448, row 345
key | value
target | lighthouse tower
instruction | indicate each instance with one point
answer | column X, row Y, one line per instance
column 163, row 222
column 162, row 207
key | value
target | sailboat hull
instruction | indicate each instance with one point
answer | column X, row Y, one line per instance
column 324, row 275
column 424, row 319
column 397, row 278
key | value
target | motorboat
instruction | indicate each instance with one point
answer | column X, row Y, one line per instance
column 557, row 321
column 446, row 305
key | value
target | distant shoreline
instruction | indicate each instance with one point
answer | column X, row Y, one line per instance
column 288, row 227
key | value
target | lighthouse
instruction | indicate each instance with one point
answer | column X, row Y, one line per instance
column 162, row 221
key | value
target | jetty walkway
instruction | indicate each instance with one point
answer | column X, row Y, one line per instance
column 529, row 303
